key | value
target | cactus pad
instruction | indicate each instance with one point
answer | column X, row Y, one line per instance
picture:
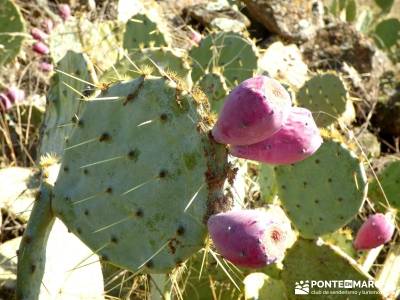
column 307, row 261
column 214, row 86
column 141, row 175
column 164, row 58
column 231, row 54
column 326, row 96
column 390, row 181
column 98, row 40
column 323, row 192
column 267, row 182
column 12, row 26
column 63, row 102
column 141, row 32
column 387, row 33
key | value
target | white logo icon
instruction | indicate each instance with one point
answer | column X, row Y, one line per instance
column 348, row 284
column 302, row 287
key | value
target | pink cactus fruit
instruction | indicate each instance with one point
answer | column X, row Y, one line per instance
column 64, row 11
column 41, row 48
column 376, row 230
column 298, row 139
column 45, row 67
column 253, row 111
column 248, row 238
column 39, row 34
column 47, row 25
column 5, row 102
column 15, row 94
column 195, row 36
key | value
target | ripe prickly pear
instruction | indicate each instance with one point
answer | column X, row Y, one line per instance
column 39, row 34
column 253, row 111
column 41, row 48
column 5, row 102
column 248, row 238
column 195, row 36
column 45, row 67
column 64, row 11
column 376, row 230
column 48, row 25
column 298, row 139
column 15, row 94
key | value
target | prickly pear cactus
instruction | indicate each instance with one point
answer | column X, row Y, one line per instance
column 98, row 40
column 326, row 96
column 214, row 86
column 307, row 261
column 141, row 32
column 140, row 175
column 267, row 182
column 389, row 179
column 64, row 101
column 230, row 54
column 164, row 58
column 12, row 28
column 205, row 267
column 387, row 33
column 323, row 192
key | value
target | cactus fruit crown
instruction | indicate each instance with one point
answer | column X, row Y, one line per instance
column 140, row 163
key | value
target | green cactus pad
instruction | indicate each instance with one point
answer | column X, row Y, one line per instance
column 204, row 277
column 230, row 54
column 12, row 28
column 166, row 59
column 64, row 101
column 387, row 33
column 390, row 181
column 214, row 86
column 306, row 261
column 343, row 239
column 140, row 175
column 326, row 96
column 323, row 192
column 267, row 182
column 99, row 40
column 141, row 32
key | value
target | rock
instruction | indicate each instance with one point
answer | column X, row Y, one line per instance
column 72, row 270
column 284, row 63
column 294, row 20
column 338, row 43
column 8, row 266
column 387, row 116
column 17, row 191
column 218, row 15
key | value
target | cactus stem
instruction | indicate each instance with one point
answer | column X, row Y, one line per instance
column 32, row 251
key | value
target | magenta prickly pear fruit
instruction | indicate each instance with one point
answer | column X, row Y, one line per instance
column 39, row 34
column 298, row 139
column 5, row 102
column 376, row 230
column 248, row 238
column 45, row 67
column 195, row 36
column 64, row 11
column 256, row 109
column 48, row 25
column 41, row 48
column 15, row 94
